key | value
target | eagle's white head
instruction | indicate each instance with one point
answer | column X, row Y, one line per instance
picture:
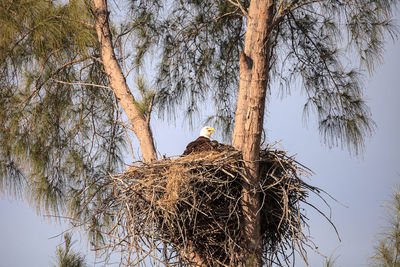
column 207, row 131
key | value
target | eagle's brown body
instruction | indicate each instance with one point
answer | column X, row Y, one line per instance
column 203, row 143
column 199, row 145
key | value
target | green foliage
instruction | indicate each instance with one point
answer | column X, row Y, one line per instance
column 199, row 43
column 316, row 42
column 65, row 257
column 318, row 38
column 145, row 103
column 59, row 135
column 387, row 250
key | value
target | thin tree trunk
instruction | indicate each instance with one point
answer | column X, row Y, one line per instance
column 140, row 126
column 249, row 117
column 118, row 84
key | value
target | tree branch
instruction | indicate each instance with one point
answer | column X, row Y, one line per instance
column 239, row 5
column 81, row 83
column 118, row 82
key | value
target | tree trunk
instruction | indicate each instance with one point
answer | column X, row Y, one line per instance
column 249, row 117
column 118, row 84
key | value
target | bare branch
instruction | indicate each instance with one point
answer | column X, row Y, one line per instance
column 239, row 5
column 81, row 83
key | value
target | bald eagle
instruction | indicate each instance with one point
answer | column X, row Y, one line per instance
column 203, row 143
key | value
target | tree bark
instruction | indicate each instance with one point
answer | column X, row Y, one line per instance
column 241, row 103
column 249, row 117
column 118, row 84
column 245, row 78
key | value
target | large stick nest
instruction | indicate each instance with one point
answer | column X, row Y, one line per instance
column 177, row 211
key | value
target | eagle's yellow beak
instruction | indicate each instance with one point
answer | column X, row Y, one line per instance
column 211, row 130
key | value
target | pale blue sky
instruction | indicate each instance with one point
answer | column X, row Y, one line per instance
column 362, row 184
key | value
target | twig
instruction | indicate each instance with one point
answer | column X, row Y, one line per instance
column 81, row 83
